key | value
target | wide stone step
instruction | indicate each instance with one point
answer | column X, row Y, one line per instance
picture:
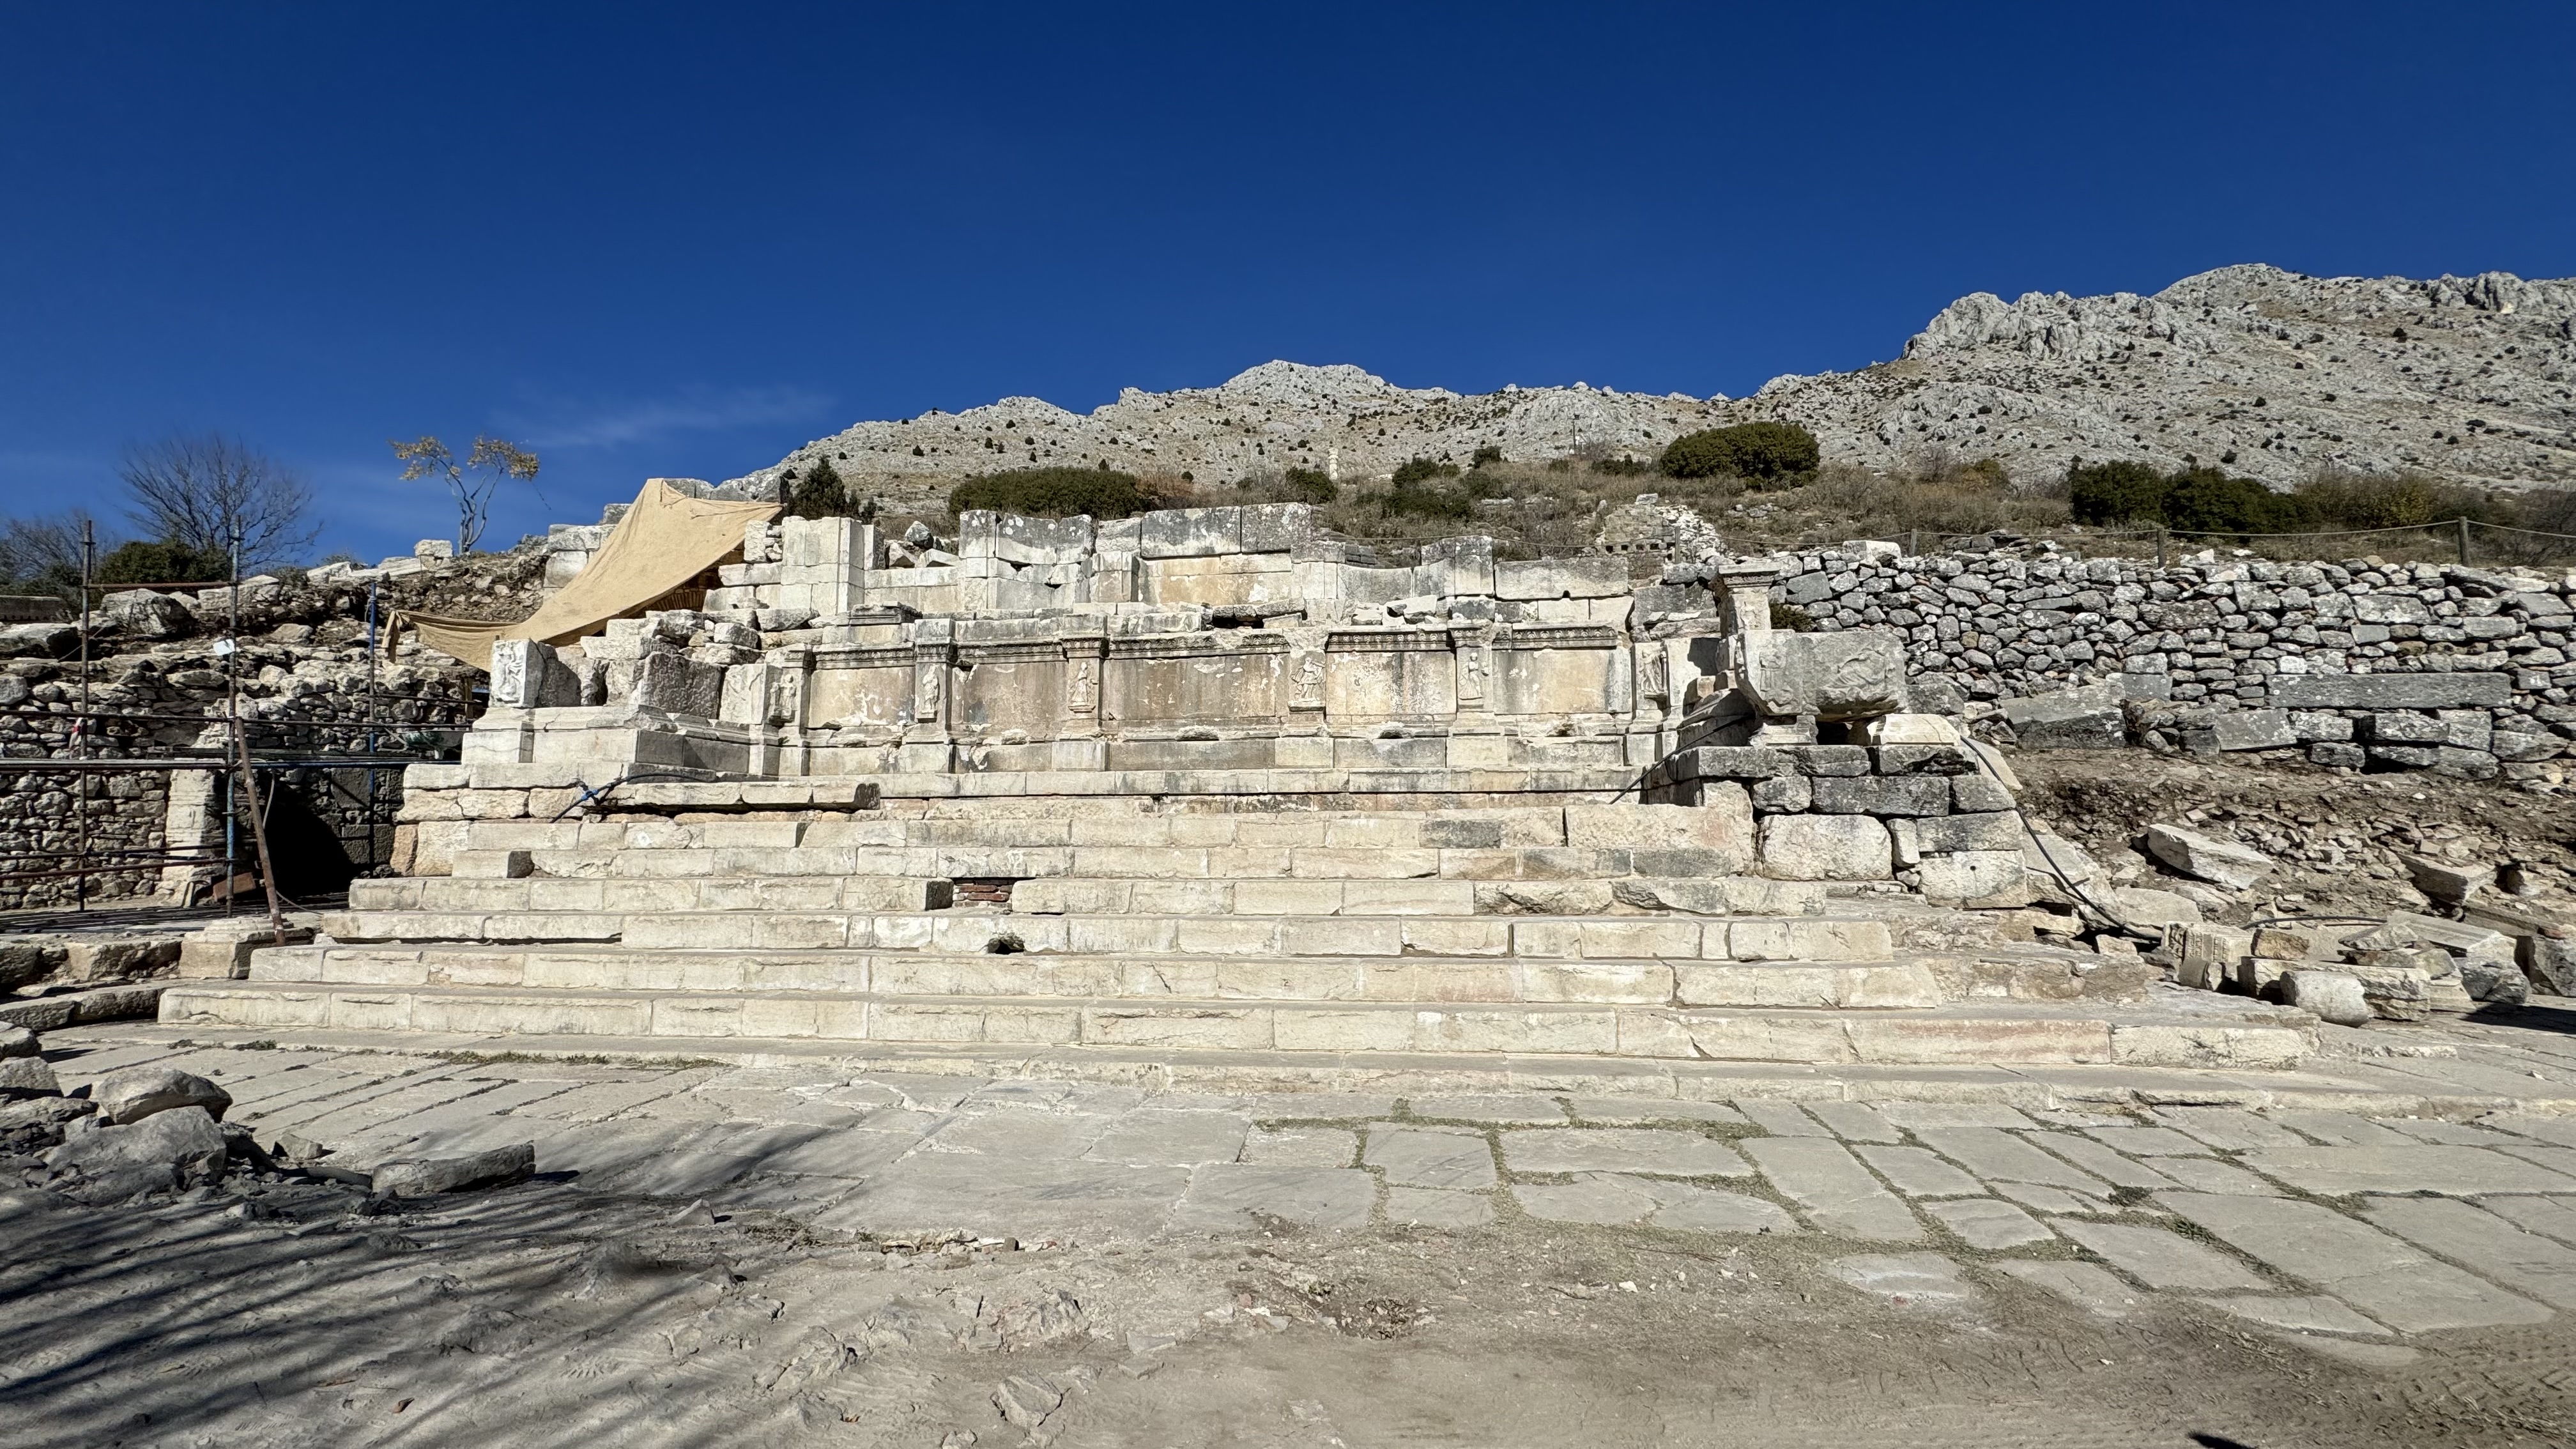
column 1088, row 823
column 1077, row 895
column 1960, row 1035
column 1227, row 862
column 1440, row 923
column 1631, row 982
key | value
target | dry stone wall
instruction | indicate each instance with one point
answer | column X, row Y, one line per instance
column 2359, row 664
column 158, row 686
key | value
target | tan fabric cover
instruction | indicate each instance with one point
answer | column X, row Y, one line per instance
column 666, row 539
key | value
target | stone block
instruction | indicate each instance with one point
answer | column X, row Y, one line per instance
column 678, row 685
column 1845, row 675
column 1582, row 577
column 2208, row 858
column 1984, row 878
column 424, row 1176
column 1970, row 794
column 2252, row 729
column 2086, row 718
column 2392, row 691
column 1826, row 847
column 1921, row 759
column 1782, row 795
column 529, row 675
column 2210, row 954
column 1882, row 795
column 1993, row 830
column 1721, row 822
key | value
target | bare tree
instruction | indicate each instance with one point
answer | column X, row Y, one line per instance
column 470, row 483
column 43, row 555
column 205, row 490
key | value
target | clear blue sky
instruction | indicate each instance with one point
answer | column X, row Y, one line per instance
column 651, row 239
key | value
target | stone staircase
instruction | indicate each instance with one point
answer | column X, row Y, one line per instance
column 1583, row 935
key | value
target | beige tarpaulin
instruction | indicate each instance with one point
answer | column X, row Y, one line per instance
column 666, row 539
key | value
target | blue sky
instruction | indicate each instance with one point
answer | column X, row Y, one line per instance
column 651, row 239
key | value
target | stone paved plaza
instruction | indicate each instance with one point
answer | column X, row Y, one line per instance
column 2361, row 1230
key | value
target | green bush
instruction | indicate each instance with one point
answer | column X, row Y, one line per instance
column 2110, row 493
column 1485, row 455
column 1764, row 451
column 1307, row 485
column 818, row 493
column 1620, row 467
column 163, row 563
column 2198, row 499
column 1054, row 493
column 1409, row 498
column 1422, row 470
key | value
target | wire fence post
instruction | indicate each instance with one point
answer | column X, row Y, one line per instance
column 1914, row 548
column 2464, row 540
column 2162, row 535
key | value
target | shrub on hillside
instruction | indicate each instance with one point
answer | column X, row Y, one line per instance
column 1308, row 485
column 1422, row 470
column 2199, row 499
column 1765, row 451
column 1621, row 467
column 1055, row 493
column 1418, row 497
column 818, row 492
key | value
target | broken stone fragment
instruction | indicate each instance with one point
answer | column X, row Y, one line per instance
column 2495, row 983
column 177, row 1148
column 36, row 1124
column 16, row 1041
column 23, row 1077
column 2283, row 943
column 425, row 1176
column 2444, row 882
column 2400, row 993
column 2335, row 996
column 128, row 1096
column 2210, row 954
column 2206, row 857
column 2551, row 965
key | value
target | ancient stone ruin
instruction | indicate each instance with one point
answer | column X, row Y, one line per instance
column 1207, row 794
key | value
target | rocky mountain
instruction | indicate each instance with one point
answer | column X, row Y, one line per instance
column 2274, row 374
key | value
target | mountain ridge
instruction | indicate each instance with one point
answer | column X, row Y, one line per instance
column 2270, row 373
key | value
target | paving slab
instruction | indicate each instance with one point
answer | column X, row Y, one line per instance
column 1989, row 1223
column 1628, row 1110
column 2407, row 1167
column 2148, row 1141
column 1926, row 1280
column 1432, row 1207
column 2091, row 1288
column 1300, row 1147
column 2054, row 1200
column 2381, row 1356
column 1833, row 1189
column 848, row 1152
column 1171, row 1139
column 1920, row 1172
column 2161, row 1259
column 1498, row 1110
column 2099, row 1160
column 1999, row 1156
column 2229, row 1129
column 1228, row 1196
column 2557, row 1131
column 2561, row 1160
column 2341, row 1129
column 1317, row 1106
column 1781, row 1119
column 1856, row 1122
column 1010, row 1196
column 2385, row 1277
column 1594, row 1198
column 1452, row 1157
column 1032, row 1135
column 2311, row 1314
column 2486, row 1244
column 2553, row 1217
column 2448, row 1134
column 1654, row 1152
column 1914, row 1116
column 2204, row 1174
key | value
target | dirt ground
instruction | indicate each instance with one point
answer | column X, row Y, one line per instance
column 2337, row 833
column 544, row 1315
